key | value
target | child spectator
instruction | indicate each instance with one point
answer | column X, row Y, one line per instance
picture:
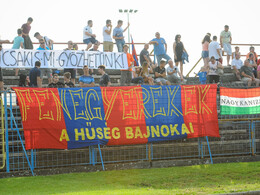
column 145, row 73
column 136, row 75
column 55, row 82
column 67, row 81
column 105, row 79
column 235, row 52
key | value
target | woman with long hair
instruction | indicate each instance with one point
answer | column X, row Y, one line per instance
column 145, row 73
column 205, row 50
column 178, row 49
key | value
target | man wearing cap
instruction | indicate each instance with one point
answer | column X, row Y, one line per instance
column 225, row 42
column 105, row 79
column 126, row 75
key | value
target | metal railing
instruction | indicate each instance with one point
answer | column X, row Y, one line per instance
column 2, row 135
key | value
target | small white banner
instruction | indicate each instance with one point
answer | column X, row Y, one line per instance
column 58, row 59
column 239, row 102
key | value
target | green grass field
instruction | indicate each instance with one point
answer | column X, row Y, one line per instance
column 203, row 179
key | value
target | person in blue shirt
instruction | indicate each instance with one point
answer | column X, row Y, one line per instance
column 118, row 35
column 17, row 43
column 86, row 80
column 42, row 45
column 35, row 75
column 160, row 48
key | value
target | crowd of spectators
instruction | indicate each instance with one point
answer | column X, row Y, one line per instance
column 149, row 72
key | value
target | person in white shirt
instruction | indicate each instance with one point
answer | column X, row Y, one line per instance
column 48, row 42
column 236, row 65
column 213, row 72
column 88, row 37
column 173, row 72
column 107, row 39
column 214, row 49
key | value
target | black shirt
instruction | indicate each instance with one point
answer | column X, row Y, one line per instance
column 34, row 73
column 104, row 80
column 143, row 53
column 70, row 84
column 159, row 70
column 56, row 85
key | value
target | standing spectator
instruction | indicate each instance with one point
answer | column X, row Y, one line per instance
column 214, row 49
column 235, row 52
column 107, row 40
column 145, row 57
column 247, row 74
column 225, row 42
column 146, row 70
column 119, row 36
column 55, row 82
column 205, row 50
column 252, row 51
column 213, row 70
column 72, row 71
column 236, row 65
column 17, row 43
column 173, row 72
column 95, row 47
column 252, row 63
column 67, row 81
column 86, row 80
column 26, row 30
column 160, row 48
column 48, row 42
column 160, row 74
column 136, row 75
column 45, row 71
column 178, row 49
column 35, row 75
column 105, row 79
column 88, row 37
column 126, row 75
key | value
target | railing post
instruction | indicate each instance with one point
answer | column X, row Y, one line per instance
column 6, row 134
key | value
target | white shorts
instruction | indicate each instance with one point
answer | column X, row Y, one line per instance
column 227, row 48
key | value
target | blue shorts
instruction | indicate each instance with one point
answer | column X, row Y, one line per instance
column 205, row 54
column 90, row 40
column 227, row 48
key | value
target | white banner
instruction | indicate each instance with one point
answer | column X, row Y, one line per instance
column 58, row 59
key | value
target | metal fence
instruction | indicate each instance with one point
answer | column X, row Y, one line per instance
column 240, row 135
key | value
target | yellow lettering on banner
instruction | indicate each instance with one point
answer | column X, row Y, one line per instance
column 202, row 94
column 78, row 102
column 184, row 129
column 148, row 132
column 138, row 133
column 174, row 130
column 158, row 109
column 189, row 92
column 81, row 133
column 144, row 97
column 64, row 103
column 109, row 103
column 22, row 95
column 129, row 104
column 191, row 128
column 155, row 131
column 97, row 110
column 92, row 132
column 129, row 133
column 43, row 100
column 99, row 133
column 171, row 107
column 167, row 130
column 107, row 133
column 64, row 135
column 115, row 133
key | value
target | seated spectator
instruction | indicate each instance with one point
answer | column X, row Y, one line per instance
column 75, row 46
column 203, row 75
column 55, row 82
column 252, row 51
column 86, row 80
column 235, row 52
column 213, row 72
column 145, row 57
column 146, row 70
column 252, row 63
column 35, row 75
column 95, row 47
column 160, row 74
column 236, row 65
column 45, row 71
column 67, row 81
column 48, row 42
column 105, row 79
column 72, row 71
column 173, row 72
column 136, row 75
column 247, row 74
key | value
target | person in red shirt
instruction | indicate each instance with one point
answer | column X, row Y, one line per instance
column 126, row 75
column 26, row 30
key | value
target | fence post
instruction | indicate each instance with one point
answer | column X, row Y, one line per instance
column 6, row 134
